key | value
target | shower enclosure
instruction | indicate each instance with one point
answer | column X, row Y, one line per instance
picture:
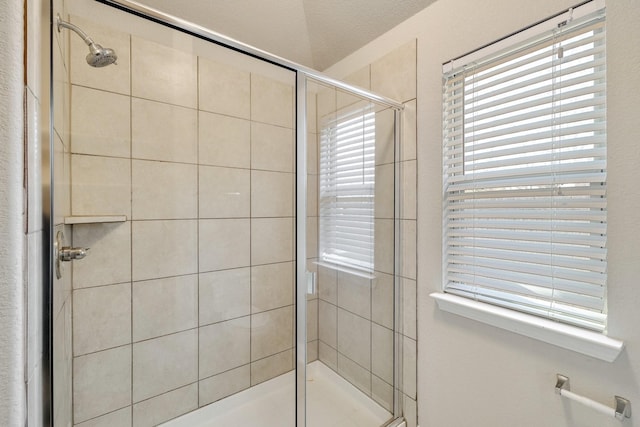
column 238, row 214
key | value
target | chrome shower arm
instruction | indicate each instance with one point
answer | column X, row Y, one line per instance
column 64, row 24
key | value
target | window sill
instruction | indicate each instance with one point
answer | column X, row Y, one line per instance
column 354, row 271
column 569, row 337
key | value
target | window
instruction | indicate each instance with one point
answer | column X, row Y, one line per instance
column 525, row 176
column 347, row 175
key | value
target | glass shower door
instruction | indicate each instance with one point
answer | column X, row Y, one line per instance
column 350, row 241
column 180, row 178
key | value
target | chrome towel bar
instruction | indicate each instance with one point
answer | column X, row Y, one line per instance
column 620, row 412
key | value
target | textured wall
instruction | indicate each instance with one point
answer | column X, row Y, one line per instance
column 12, row 404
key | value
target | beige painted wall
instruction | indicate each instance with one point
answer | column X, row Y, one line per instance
column 471, row 374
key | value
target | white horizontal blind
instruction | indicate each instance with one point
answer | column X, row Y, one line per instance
column 347, row 182
column 525, row 177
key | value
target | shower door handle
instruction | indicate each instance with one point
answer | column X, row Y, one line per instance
column 69, row 254
column 65, row 253
column 311, row 282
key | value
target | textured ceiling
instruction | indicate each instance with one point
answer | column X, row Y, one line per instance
column 315, row 33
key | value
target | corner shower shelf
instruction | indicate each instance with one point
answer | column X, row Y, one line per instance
column 93, row 219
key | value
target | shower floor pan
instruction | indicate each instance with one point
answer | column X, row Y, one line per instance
column 331, row 402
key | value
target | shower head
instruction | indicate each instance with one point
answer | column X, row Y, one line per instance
column 98, row 56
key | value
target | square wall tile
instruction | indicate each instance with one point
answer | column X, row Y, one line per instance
column 410, row 411
column 312, row 195
column 382, row 393
column 409, row 368
column 112, row 78
column 328, row 284
column 408, row 189
column 271, row 286
column 162, row 408
column 223, row 89
column 224, row 192
column 120, row 418
column 224, row 346
column 271, row 240
column 354, row 294
column 271, row 332
column 312, row 237
column 164, row 248
column 382, row 300
column 271, row 194
column 220, row 386
column 270, row 367
column 224, row 141
column 312, row 110
column 61, row 181
column 408, row 248
column 60, row 85
column 178, row 366
column 394, row 75
column 111, row 136
column 312, row 320
column 223, row 244
column 312, row 351
column 328, row 355
column 174, row 82
column 162, row 190
column 101, row 318
column 224, row 295
column 162, row 131
column 354, row 338
column 328, row 323
column 110, row 254
column 101, row 383
column 347, row 99
column 272, row 148
column 164, row 306
column 385, row 137
column 408, row 142
column 63, row 365
column 384, row 191
column 409, row 315
column 271, row 101
column 312, row 153
column 382, row 352
column 355, row 374
column 100, row 185
column 326, row 104
column 383, row 245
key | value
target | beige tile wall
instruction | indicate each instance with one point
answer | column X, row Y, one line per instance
column 191, row 298
column 355, row 314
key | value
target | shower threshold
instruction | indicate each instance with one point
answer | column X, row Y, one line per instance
column 331, row 402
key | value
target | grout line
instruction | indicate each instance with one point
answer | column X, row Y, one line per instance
column 131, row 208
column 102, row 415
column 251, row 331
column 198, row 403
